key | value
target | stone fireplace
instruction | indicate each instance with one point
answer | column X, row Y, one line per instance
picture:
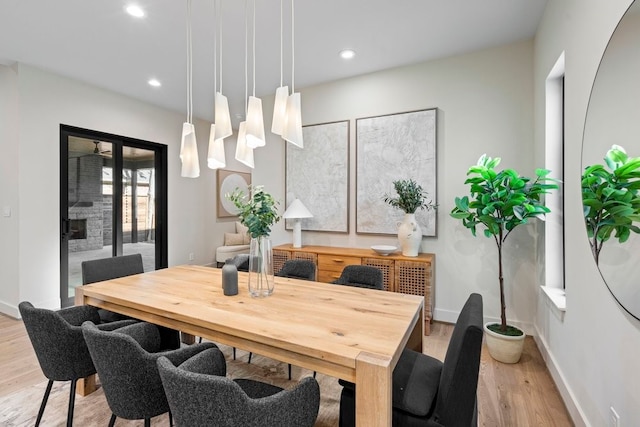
column 85, row 202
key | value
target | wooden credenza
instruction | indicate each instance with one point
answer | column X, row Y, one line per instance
column 408, row 275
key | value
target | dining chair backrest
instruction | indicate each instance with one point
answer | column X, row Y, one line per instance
column 97, row 270
column 298, row 269
column 362, row 276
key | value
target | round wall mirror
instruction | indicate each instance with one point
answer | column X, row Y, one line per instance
column 611, row 164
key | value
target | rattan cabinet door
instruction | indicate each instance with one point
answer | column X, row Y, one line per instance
column 388, row 271
column 279, row 258
column 414, row 277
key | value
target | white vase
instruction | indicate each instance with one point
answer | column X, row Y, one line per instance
column 260, row 267
column 410, row 235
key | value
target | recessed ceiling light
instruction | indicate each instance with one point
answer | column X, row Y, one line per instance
column 154, row 82
column 347, row 53
column 135, row 10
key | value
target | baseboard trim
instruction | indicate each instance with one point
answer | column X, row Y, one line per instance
column 575, row 411
column 9, row 310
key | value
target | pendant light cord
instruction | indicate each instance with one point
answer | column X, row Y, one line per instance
column 220, row 38
column 189, row 64
column 281, row 43
column 246, row 54
column 254, row 48
column 293, row 73
column 215, row 49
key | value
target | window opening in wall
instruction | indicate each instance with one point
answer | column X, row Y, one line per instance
column 554, row 160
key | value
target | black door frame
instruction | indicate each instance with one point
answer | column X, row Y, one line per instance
column 161, row 185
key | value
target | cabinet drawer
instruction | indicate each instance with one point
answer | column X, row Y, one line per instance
column 328, row 276
column 335, row 262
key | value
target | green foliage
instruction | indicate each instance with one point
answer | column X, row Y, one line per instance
column 611, row 199
column 257, row 213
column 500, row 201
column 411, row 197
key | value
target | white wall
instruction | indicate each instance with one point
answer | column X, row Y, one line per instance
column 41, row 102
column 593, row 352
column 9, row 186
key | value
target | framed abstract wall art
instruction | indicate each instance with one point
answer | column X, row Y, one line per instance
column 390, row 148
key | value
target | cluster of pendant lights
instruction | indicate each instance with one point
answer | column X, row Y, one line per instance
column 287, row 120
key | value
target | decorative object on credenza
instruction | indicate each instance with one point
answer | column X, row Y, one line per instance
column 296, row 211
column 384, row 249
column 258, row 211
column 319, row 176
column 387, row 147
column 410, row 197
column 501, row 201
column 228, row 181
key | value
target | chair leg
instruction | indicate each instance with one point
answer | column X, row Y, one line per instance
column 44, row 402
column 250, row 354
column 200, row 340
column 112, row 421
column 170, row 419
column 314, row 374
column 289, row 371
column 234, row 353
column 72, row 400
column 147, row 422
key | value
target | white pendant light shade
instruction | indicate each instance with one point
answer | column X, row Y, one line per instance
column 280, row 110
column 189, row 152
column 215, row 155
column 244, row 154
column 255, row 123
column 293, row 122
column 222, row 117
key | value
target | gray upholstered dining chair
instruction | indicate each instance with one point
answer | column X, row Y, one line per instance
column 97, row 270
column 298, row 269
column 125, row 361
column 428, row 392
column 361, row 276
column 295, row 269
column 200, row 395
column 56, row 337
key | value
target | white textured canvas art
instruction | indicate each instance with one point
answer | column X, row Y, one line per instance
column 318, row 175
column 391, row 148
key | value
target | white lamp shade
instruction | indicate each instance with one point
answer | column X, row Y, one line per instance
column 255, row 123
column 293, row 122
column 279, row 110
column 189, row 152
column 215, row 156
column 222, row 117
column 244, row 154
column 297, row 210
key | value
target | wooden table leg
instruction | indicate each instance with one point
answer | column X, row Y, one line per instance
column 86, row 386
column 373, row 390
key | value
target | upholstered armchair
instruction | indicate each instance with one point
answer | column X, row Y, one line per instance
column 126, row 364
column 56, row 337
column 361, row 276
column 428, row 392
column 200, row 395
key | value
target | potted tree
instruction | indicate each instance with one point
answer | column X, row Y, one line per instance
column 611, row 199
column 499, row 202
column 410, row 197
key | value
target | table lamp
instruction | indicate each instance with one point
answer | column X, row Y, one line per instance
column 296, row 211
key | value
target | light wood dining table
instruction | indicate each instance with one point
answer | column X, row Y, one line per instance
column 350, row 333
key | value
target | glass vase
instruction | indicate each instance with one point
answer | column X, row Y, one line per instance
column 260, row 267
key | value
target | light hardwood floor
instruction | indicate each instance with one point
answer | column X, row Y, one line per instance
column 508, row 395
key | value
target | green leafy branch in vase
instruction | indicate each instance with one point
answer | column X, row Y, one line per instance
column 258, row 212
column 611, row 199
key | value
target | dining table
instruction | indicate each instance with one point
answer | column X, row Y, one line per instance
column 355, row 334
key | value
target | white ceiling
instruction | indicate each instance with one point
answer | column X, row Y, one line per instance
column 97, row 42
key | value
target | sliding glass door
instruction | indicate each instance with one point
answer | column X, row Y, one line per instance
column 113, row 202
